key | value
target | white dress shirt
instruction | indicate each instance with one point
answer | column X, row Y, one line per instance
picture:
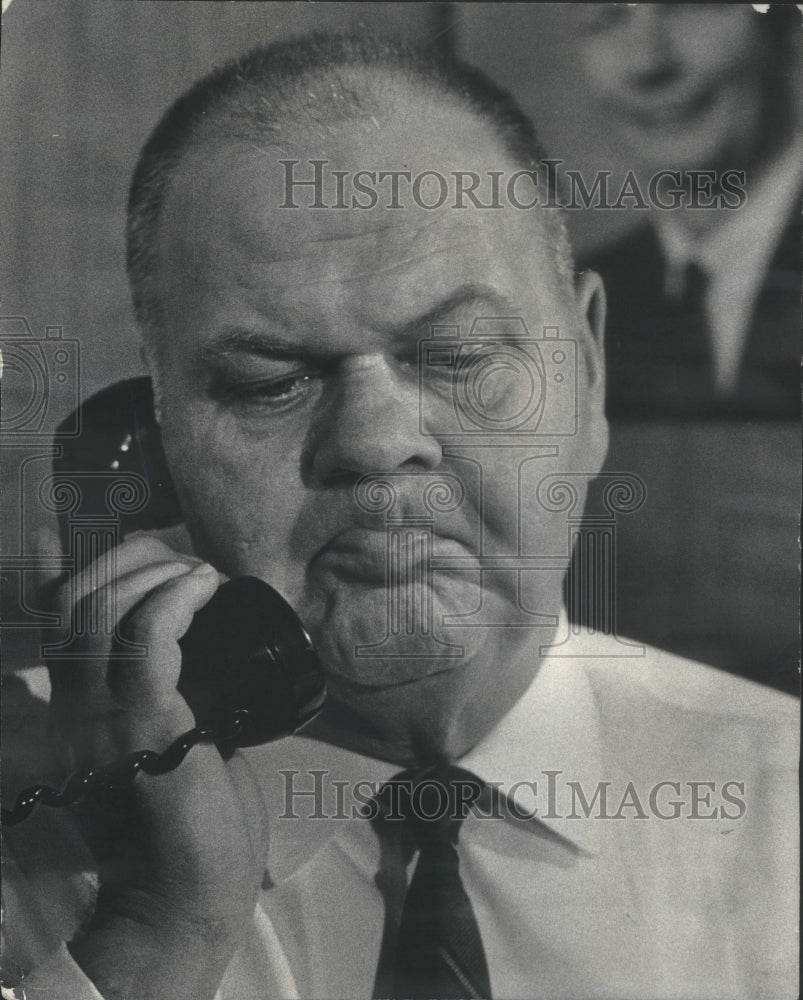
column 632, row 906
column 735, row 256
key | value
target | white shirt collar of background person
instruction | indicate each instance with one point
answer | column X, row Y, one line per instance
column 735, row 256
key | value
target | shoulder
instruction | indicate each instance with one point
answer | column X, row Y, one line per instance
column 677, row 708
column 686, row 684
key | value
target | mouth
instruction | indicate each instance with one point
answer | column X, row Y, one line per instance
column 380, row 557
column 672, row 112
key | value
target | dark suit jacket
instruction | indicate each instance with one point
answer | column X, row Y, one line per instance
column 708, row 567
column 648, row 376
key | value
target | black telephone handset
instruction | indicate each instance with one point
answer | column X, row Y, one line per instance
column 248, row 671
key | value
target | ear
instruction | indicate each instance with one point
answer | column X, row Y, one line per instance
column 591, row 310
column 149, row 359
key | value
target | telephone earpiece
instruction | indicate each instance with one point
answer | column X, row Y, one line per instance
column 249, row 671
column 118, row 435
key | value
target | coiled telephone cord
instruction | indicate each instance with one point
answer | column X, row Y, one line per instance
column 94, row 779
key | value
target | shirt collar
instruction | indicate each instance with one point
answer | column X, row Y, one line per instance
column 551, row 737
column 742, row 244
column 553, row 727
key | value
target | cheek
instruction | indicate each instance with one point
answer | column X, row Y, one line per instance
column 604, row 65
column 504, row 510
column 240, row 492
column 552, row 497
column 720, row 46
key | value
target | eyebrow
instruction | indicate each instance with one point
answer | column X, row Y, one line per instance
column 242, row 340
column 466, row 295
column 234, row 340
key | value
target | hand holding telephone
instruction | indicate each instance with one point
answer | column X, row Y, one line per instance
column 249, row 672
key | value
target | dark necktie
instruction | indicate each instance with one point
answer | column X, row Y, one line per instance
column 439, row 950
column 688, row 346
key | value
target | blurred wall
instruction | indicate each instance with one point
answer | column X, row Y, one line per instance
column 83, row 83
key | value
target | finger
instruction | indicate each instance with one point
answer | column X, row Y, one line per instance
column 94, row 601
column 176, row 537
column 112, row 706
column 97, row 615
column 80, row 696
column 148, row 685
column 129, row 589
column 126, row 558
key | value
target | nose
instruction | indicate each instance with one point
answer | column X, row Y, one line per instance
column 371, row 424
column 650, row 55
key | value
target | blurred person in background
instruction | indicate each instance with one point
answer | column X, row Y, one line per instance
column 704, row 319
column 703, row 90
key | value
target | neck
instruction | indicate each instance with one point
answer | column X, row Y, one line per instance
column 436, row 719
column 753, row 164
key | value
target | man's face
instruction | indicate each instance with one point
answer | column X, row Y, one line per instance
column 684, row 84
column 290, row 372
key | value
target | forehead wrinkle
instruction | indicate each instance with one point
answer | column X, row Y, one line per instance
column 263, row 280
column 347, row 238
column 272, row 257
column 370, row 306
column 279, row 243
column 407, row 263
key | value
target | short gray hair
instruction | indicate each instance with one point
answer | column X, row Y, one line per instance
column 308, row 81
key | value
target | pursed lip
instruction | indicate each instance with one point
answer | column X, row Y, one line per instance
column 365, row 554
column 677, row 111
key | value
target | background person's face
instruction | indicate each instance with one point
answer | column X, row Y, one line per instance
column 684, row 84
column 290, row 371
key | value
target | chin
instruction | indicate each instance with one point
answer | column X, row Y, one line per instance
column 411, row 724
column 353, row 629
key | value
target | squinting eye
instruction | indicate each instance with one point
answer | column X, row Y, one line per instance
column 272, row 395
column 280, row 388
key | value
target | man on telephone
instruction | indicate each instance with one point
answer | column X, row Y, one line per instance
column 376, row 377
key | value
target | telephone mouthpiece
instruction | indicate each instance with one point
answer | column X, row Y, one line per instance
column 247, row 656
